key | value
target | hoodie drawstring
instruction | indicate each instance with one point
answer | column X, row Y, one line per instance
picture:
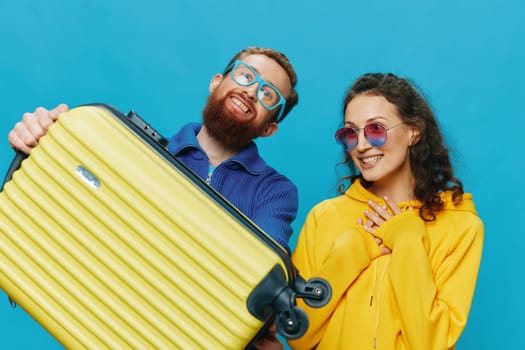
column 372, row 291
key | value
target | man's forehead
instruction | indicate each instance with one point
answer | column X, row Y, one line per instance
column 257, row 60
column 270, row 70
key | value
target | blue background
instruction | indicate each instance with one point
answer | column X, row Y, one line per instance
column 157, row 57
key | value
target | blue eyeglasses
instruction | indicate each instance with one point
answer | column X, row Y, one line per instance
column 267, row 94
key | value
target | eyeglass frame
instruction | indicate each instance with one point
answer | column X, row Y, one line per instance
column 262, row 82
column 356, row 130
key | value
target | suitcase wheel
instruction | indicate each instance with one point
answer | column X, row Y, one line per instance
column 292, row 324
column 316, row 292
column 319, row 292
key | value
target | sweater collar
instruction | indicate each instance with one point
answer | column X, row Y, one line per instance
column 248, row 157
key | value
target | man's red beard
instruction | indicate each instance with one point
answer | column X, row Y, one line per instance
column 225, row 127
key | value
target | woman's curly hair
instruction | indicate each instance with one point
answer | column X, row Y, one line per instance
column 429, row 157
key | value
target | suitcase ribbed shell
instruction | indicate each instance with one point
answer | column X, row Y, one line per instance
column 108, row 245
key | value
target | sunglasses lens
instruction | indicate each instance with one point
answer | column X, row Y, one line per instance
column 346, row 137
column 375, row 134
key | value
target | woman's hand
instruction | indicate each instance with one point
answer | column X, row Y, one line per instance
column 377, row 216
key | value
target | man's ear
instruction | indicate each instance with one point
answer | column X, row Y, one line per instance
column 269, row 129
column 215, row 81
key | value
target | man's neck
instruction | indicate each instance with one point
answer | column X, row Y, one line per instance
column 216, row 151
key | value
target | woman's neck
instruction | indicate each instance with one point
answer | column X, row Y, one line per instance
column 399, row 189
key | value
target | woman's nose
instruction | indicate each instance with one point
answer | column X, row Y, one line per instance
column 362, row 142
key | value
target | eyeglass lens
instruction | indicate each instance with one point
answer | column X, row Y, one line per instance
column 245, row 76
column 374, row 133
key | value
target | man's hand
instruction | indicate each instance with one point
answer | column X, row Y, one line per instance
column 26, row 133
column 269, row 341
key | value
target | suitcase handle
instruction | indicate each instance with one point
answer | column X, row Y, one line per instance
column 15, row 164
column 146, row 128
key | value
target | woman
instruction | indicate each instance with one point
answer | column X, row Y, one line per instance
column 401, row 247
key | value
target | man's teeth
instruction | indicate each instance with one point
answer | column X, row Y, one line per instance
column 371, row 159
column 241, row 105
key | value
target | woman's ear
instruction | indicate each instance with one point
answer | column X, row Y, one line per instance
column 215, row 81
column 415, row 135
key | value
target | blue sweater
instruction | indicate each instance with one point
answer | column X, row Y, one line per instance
column 268, row 198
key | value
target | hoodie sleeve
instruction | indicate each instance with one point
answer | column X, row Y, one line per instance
column 332, row 264
column 433, row 286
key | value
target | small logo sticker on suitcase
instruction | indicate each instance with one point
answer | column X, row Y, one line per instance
column 89, row 178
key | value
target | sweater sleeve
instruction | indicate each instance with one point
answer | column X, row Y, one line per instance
column 334, row 266
column 275, row 210
column 433, row 294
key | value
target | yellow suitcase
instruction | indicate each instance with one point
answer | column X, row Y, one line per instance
column 109, row 242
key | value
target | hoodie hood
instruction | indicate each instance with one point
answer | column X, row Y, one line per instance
column 359, row 193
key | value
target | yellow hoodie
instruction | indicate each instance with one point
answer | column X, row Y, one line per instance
column 418, row 297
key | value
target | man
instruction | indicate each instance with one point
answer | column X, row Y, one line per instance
column 249, row 99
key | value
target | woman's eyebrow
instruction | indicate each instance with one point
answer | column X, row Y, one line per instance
column 368, row 121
